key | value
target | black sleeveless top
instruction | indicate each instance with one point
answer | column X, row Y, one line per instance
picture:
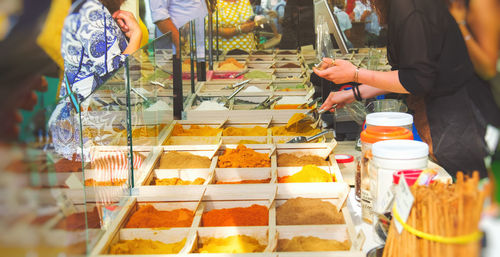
column 427, row 48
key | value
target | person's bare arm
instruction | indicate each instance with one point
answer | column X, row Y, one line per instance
column 342, row 71
column 246, row 27
column 129, row 25
column 166, row 26
column 483, row 39
column 341, row 98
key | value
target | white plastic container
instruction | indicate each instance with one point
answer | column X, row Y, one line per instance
column 391, row 156
column 393, row 119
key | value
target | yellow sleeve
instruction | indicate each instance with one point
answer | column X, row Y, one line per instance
column 51, row 36
column 145, row 32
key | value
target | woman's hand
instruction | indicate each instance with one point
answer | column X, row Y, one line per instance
column 341, row 98
column 458, row 11
column 338, row 71
column 128, row 24
column 247, row 27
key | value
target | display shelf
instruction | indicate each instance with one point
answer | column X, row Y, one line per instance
column 266, row 235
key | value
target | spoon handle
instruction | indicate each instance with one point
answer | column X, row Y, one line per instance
column 317, row 135
column 326, row 110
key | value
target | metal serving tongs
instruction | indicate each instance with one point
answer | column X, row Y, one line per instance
column 308, row 104
column 302, row 139
column 146, row 102
column 157, row 83
column 266, row 104
column 239, row 74
column 239, row 84
column 226, row 100
column 312, row 117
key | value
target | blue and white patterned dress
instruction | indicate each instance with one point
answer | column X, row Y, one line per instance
column 92, row 46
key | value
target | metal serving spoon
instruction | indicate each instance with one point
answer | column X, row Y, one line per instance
column 302, row 139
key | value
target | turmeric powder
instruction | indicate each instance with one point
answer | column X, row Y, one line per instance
column 149, row 217
column 231, row 244
column 255, row 131
column 195, row 130
column 293, row 128
column 141, row 246
column 243, row 157
column 309, row 173
column 255, row 215
column 178, row 181
column 231, row 61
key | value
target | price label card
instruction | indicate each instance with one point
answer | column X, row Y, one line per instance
column 310, row 93
column 359, row 241
column 63, row 202
column 404, row 202
column 73, row 182
column 388, row 201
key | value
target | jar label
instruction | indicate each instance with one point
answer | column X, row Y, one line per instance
column 366, row 206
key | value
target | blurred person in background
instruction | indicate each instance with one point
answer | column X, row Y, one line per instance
column 480, row 26
column 279, row 9
column 343, row 19
column 22, row 61
column 236, row 25
column 97, row 38
column 298, row 24
column 430, row 63
column 375, row 34
column 170, row 15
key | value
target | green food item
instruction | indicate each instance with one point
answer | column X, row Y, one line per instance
column 256, row 74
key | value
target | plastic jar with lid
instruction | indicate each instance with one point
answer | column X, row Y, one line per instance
column 369, row 136
column 389, row 157
column 392, row 119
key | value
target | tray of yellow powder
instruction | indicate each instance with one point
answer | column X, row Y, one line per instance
column 242, row 175
column 244, row 140
column 184, row 160
column 230, row 64
column 244, row 131
column 195, row 130
column 293, row 128
column 148, row 241
column 235, row 214
column 230, row 240
column 298, row 159
column 193, row 135
column 244, row 157
column 335, row 193
column 313, row 238
column 306, row 174
column 161, row 215
column 308, row 211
